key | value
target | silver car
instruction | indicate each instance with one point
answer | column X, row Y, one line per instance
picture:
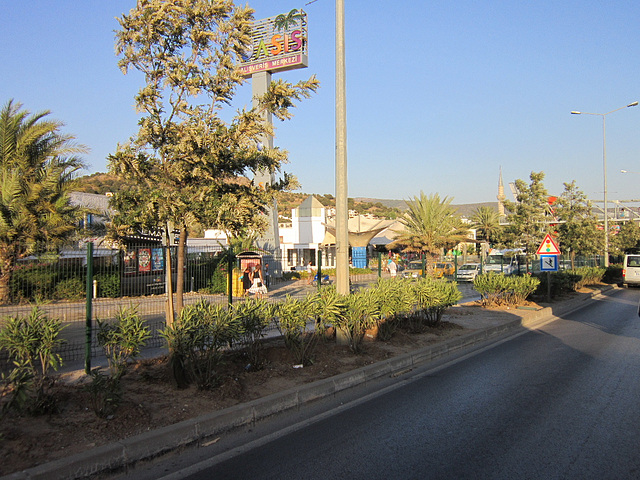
column 468, row 272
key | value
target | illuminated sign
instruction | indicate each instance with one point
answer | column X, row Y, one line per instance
column 278, row 43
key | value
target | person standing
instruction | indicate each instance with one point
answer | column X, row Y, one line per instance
column 267, row 276
column 247, row 280
column 258, row 287
column 393, row 268
column 310, row 272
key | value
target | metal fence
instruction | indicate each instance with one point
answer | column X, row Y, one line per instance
column 81, row 286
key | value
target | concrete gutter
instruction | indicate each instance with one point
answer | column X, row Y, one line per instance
column 157, row 442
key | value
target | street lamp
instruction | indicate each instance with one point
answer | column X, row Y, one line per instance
column 604, row 169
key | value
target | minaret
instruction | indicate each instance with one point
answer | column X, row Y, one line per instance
column 501, row 197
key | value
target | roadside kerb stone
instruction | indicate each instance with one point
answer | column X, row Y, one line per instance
column 84, row 464
column 153, row 443
column 275, row 403
column 316, row 390
column 156, row 442
column 376, row 370
column 224, row 420
column 348, row 379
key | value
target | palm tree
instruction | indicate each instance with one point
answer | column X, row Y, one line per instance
column 430, row 225
column 282, row 21
column 487, row 221
column 37, row 167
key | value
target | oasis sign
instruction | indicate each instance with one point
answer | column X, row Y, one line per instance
column 278, row 43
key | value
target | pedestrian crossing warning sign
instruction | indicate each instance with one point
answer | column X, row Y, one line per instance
column 548, row 246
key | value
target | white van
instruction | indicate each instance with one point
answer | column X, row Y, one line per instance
column 631, row 270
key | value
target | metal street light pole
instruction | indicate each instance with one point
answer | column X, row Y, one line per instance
column 604, row 169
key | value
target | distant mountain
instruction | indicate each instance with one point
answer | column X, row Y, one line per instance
column 465, row 210
column 101, row 183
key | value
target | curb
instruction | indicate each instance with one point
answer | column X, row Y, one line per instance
column 157, row 442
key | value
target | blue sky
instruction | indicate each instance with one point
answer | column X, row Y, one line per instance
column 440, row 95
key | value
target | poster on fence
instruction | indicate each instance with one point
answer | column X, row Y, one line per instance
column 130, row 262
column 157, row 260
column 144, row 260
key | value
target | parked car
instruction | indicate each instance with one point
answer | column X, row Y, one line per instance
column 444, row 269
column 413, row 269
column 468, row 272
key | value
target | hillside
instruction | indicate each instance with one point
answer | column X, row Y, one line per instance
column 102, row 183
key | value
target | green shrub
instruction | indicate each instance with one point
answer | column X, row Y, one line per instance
column 613, row 274
column 433, row 297
column 521, row 288
column 217, row 283
column 293, row 275
column 31, row 343
column 196, row 340
column 563, row 282
column 105, row 393
column 70, row 289
column 587, row 276
column 498, row 289
column 361, row 312
column 108, row 285
column 254, row 315
column 33, row 282
column 292, row 317
column 122, row 339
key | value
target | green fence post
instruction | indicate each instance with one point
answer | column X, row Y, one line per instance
column 319, row 269
column 455, row 268
column 230, row 259
column 379, row 264
column 424, row 266
column 89, row 311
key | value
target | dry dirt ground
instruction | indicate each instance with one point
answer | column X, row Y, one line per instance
column 151, row 400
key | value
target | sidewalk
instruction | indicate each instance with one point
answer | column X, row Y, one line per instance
column 153, row 443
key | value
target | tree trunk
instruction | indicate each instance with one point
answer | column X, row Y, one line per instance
column 5, row 296
column 182, row 244
column 169, row 287
column 6, row 268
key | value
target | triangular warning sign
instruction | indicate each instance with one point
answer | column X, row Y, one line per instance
column 548, row 247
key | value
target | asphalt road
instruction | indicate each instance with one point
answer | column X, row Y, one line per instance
column 558, row 402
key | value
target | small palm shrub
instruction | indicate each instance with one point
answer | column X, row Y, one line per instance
column 196, row 341
column 292, row 317
column 395, row 302
column 327, row 308
column 561, row 283
column 121, row 341
column 254, row 315
column 31, row 343
column 520, row 289
column 588, row 276
column 497, row 289
column 432, row 298
column 361, row 312
column 491, row 286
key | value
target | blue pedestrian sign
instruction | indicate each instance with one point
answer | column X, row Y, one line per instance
column 549, row 263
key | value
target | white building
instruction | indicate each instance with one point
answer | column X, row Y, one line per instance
column 300, row 242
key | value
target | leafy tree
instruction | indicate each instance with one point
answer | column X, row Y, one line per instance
column 487, row 221
column 37, row 167
column 627, row 239
column 430, row 224
column 529, row 215
column 577, row 232
column 187, row 162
